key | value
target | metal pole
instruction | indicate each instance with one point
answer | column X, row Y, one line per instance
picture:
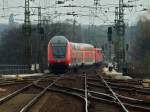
column 120, row 28
column 27, row 29
column 39, row 31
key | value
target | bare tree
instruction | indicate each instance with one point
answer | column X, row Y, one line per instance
column 141, row 47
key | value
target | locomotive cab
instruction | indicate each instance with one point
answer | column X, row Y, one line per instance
column 57, row 54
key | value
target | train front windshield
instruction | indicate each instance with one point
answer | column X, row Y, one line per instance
column 59, row 51
column 59, row 45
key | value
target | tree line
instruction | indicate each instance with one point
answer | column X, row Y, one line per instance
column 140, row 48
column 12, row 42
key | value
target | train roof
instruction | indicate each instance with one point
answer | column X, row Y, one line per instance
column 99, row 49
column 59, row 39
column 85, row 45
column 82, row 46
column 64, row 40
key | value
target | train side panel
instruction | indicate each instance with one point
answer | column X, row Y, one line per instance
column 49, row 53
column 99, row 56
column 68, row 54
column 89, row 57
column 76, row 54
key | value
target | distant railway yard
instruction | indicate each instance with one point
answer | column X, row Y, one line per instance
column 75, row 56
column 84, row 91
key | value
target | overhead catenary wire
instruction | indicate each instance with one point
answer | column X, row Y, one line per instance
column 102, row 8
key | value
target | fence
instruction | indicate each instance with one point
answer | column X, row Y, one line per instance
column 13, row 69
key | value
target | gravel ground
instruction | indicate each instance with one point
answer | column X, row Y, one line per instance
column 55, row 102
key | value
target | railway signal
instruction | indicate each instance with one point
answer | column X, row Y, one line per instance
column 109, row 34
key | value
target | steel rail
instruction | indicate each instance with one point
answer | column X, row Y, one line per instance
column 118, row 84
column 11, row 83
column 126, row 104
column 123, row 86
column 114, row 94
column 122, row 89
column 95, row 85
column 133, row 100
column 34, row 100
column 86, row 94
column 79, row 91
column 3, row 99
column 103, row 97
column 64, row 91
column 9, row 96
column 97, row 98
column 130, row 81
column 75, row 91
column 104, row 94
column 118, row 88
column 82, row 91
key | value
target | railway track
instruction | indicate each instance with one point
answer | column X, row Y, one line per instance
column 24, row 98
column 127, row 103
column 34, row 91
column 9, row 86
column 98, row 97
column 125, row 90
column 89, row 95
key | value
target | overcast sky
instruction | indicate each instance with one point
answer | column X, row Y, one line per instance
column 103, row 15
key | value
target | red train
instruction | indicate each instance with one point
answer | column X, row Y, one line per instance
column 63, row 55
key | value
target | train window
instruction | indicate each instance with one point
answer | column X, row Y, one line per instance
column 76, row 47
column 59, row 52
